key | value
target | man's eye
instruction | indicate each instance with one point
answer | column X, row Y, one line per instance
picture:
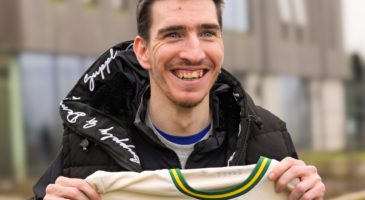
column 208, row 34
column 172, row 35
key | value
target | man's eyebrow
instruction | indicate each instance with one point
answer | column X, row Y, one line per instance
column 170, row 29
column 210, row 26
column 180, row 27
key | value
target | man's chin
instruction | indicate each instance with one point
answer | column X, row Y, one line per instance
column 188, row 104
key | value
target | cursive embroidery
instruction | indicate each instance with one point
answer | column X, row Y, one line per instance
column 120, row 142
column 91, row 123
column 72, row 116
column 100, row 71
column 72, row 98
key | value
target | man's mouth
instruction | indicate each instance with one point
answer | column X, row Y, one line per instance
column 189, row 75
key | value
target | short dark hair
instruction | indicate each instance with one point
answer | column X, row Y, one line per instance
column 144, row 18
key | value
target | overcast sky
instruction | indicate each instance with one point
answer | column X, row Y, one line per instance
column 354, row 25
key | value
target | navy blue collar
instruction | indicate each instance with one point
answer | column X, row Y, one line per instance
column 184, row 140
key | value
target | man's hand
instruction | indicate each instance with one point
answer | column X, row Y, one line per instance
column 71, row 188
column 310, row 185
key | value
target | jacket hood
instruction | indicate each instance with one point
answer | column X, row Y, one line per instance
column 104, row 102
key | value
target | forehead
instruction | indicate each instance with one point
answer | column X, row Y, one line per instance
column 183, row 12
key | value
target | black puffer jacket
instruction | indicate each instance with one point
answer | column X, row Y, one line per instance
column 104, row 128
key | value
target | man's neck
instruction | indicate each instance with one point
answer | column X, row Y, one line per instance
column 177, row 120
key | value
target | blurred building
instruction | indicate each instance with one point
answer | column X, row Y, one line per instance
column 45, row 46
column 288, row 54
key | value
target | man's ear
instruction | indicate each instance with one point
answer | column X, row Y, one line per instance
column 140, row 48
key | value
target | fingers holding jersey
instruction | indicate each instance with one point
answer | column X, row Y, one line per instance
column 81, row 185
column 316, row 193
column 54, row 191
column 310, row 185
column 285, row 172
column 301, row 173
column 309, row 188
column 71, row 188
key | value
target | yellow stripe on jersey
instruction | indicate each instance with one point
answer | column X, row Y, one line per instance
column 234, row 191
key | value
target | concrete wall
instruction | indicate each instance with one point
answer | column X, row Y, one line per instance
column 71, row 27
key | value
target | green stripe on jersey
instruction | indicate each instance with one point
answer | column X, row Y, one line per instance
column 255, row 177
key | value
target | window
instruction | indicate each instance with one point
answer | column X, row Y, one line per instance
column 40, row 108
column 38, row 89
column 295, row 99
column 300, row 12
column 68, row 72
column 236, row 16
column 46, row 79
column 293, row 13
column 286, row 16
column 285, row 11
column 301, row 18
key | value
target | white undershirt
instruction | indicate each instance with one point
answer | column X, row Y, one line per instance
column 182, row 151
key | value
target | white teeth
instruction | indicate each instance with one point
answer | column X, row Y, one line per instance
column 189, row 75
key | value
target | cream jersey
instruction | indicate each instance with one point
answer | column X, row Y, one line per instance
column 236, row 182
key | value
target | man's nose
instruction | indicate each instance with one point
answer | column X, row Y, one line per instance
column 192, row 50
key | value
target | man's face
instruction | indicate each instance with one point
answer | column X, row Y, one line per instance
column 185, row 52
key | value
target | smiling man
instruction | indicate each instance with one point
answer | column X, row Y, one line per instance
column 165, row 102
column 183, row 55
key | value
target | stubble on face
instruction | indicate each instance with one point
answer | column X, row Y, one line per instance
column 185, row 103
